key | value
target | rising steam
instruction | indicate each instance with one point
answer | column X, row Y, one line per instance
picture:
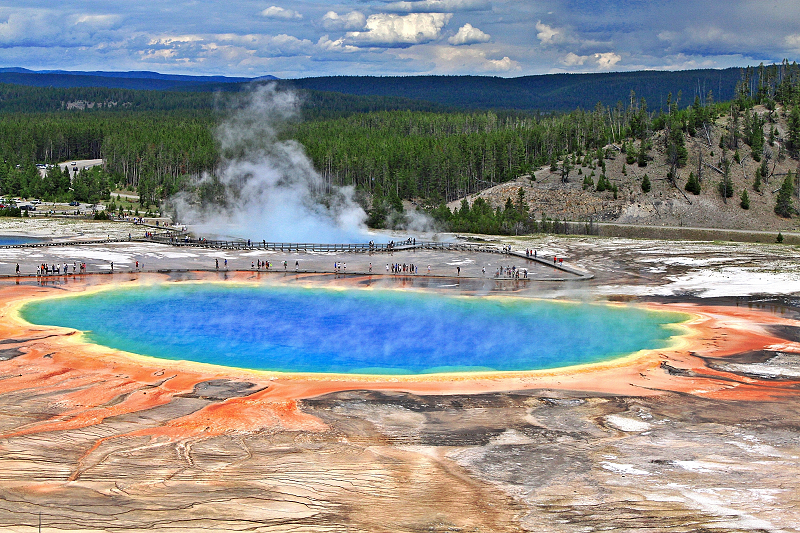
column 266, row 188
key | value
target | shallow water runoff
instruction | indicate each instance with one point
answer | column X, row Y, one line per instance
column 354, row 331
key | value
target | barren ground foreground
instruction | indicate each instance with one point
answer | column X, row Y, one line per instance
column 703, row 436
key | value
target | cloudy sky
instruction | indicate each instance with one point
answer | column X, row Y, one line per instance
column 293, row 39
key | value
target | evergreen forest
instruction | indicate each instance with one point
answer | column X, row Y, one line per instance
column 388, row 148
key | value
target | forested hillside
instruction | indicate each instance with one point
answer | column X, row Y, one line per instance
column 389, row 148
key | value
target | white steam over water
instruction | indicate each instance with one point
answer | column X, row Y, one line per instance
column 270, row 188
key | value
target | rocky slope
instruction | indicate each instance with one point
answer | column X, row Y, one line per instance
column 665, row 204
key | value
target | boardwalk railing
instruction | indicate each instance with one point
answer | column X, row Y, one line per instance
column 238, row 244
column 170, row 238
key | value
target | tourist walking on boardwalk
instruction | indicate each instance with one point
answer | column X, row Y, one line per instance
column 370, row 268
column 458, row 270
column 17, row 269
column 216, row 261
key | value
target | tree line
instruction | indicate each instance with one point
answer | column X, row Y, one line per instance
column 388, row 154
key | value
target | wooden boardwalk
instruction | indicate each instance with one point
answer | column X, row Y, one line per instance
column 182, row 240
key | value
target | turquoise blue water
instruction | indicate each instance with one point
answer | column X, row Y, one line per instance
column 353, row 331
column 8, row 240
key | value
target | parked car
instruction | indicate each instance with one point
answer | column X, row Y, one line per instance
column 74, row 203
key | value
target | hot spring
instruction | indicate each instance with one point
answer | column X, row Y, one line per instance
column 294, row 329
column 11, row 240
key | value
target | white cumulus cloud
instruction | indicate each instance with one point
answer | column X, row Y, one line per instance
column 400, row 30
column 437, row 6
column 607, row 60
column 327, row 45
column 465, row 60
column 98, row 21
column 599, row 61
column 468, row 34
column 572, row 59
column 547, row 34
column 354, row 20
column 218, row 48
column 503, row 65
column 276, row 12
column 793, row 41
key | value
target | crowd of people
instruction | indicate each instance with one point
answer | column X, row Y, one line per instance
column 511, row 272
column 339, row 267
column 55, row 269
column 397, row 268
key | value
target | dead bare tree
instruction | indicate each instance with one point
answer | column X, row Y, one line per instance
column 707, row 131
column 765, row 159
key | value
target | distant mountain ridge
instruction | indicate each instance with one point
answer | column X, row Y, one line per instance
column 137, row 80
column 137, row 74
column 547, row 92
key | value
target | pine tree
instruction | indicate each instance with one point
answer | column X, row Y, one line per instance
column 744, row 200
column 783, row 205
column 630, row 153
column 603, row 184
column 641, row 158
column 726, row 185
column 646, row 184
column 566, row 167
column 794, row 128
column 693, row 184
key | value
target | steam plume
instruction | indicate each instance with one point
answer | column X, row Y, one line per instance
column 266, row 188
